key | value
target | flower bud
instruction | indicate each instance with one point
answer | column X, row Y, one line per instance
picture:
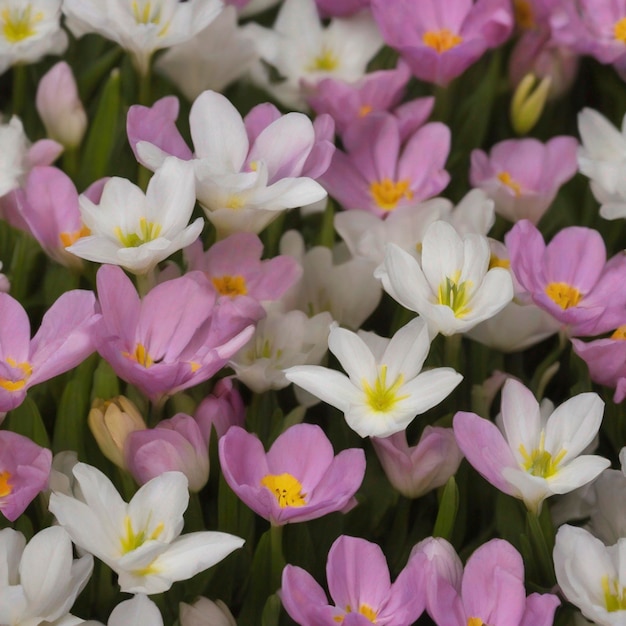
column 111, row 422
column 203, row 612
column 221, row 410
column 59, row 106
column 528, row 103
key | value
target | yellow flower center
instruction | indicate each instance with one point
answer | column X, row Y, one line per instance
column 67, row 239
column 496, row 261
column 387, row 193
column 540, row 462
column 140, row 356
column 235, row 202
column 441, row 40
column 614, row 595
column 506, row 179
column 132, row 540
column 19, row 378
column 5, row 486
column 475, row 621
column 382, row 397
column 365, row 110
column 286, row 488
column 148, row 231
column 230, row 285
column 146, row 13
column 619, row 30
column 365, row 610
column 19, row 24
column 524, row 17
column 563, row 294
column 326, row 61
column 455, row 294
column 619, row 333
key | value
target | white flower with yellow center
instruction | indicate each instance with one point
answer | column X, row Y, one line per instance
column 137, row 230
column 141, row 26
column 139, row 540
column 29, row 30
column 451, row 287
column 385, row 388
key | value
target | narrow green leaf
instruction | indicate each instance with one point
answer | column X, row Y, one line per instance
column 69, row 428
column 26, row 420
column 448, row 507
column 106, row 385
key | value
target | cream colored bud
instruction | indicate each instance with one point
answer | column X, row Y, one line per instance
column 528, row 103
column 111, row 421
column 203, row 612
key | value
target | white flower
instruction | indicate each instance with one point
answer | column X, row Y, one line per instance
column 203, row 612
column 141, row 26
column 29, row 29
column 280, row 341
column 137, row 230
column 602, row 157
column 384, row 389
column 214, row 58
column 139, row 540
column 139, row 610
column 304, row 51
column 345, row 287
column 591, row 575
column 452, row 286
column 39, row 581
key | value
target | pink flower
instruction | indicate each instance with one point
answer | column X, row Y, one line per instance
column 379, row 174
column 440, row 45
column 416, row 470
column 489, row 591
column 63, row 340
column 24, row 472
column 523, row 176
column 347, row 102
column 570, row 277
column 234, row 267
column 360, row 587
column 176, row 337
column 299, row 479
column 221, row 410
column 174, row 445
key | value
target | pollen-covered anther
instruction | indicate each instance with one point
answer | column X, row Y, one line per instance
column 19, row 24
column 524, row 18
column 5, row 485
column 387, row 193
column 506, row 179
column 70, row 238
column 230, row 285
column 286, row 488
column 619, row 333
column 20, row 375
column 563, row 295
column 441, row 40
column 619, row 30
column 381, row 396
column 148, row 231
column 325, row 61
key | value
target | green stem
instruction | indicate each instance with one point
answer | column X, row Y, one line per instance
column 541, row 534
column 278, row 559
column 145, row 282
column 20, row 84
column 452, row 349
column 71, row 162
column 145, row 85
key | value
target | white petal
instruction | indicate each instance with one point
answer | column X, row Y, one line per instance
column 353, row 355
column 328, row 385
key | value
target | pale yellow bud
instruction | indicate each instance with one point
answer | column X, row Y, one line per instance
column 111, row 421
column 528, row 103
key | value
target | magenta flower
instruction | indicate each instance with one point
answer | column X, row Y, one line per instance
column 416, row 470
column 64, row 339
column 379, row 174
column 175, row 445
column 360, row 587
column 440, row 45
column 523, row 176
column 347, row 102
column 24, row 472
column 234, row 267
column 570, row 277
column 489, row 591
column 299, row 479
column 221, row 410
column 176, row 337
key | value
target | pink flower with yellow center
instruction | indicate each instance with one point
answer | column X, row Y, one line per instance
column 570, row 277
column 440, row 44
column 380, row 173
column 298, row 479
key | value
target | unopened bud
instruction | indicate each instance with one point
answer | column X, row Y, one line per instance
column 528, row 103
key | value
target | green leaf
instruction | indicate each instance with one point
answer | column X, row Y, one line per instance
column 26, row 420
column 106, row 385
column 271, row 611
column 69, row 429
column 448, row 507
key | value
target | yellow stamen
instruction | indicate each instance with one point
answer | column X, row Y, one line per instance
column 540, row 462
column 365, row 610
column 326, row 61
column 19, row 24
column 455, row 295
column 614, row 595
column 441, row 40
column 67, row 238
column 524, row 17
column 235, row 202
column 380, row 397
column 230, row 285
column 286, row 488
column 140, row 356
column 475, row 621
column 507, row 179
column 619, row 333
column 496, row 261
column 563, row 294
column 364, row 110
column 148, row 231
column 387, row 193
column 619, row 30
column 194, row 366
column 146, row 14
column 26, row 370
column 5, row 486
